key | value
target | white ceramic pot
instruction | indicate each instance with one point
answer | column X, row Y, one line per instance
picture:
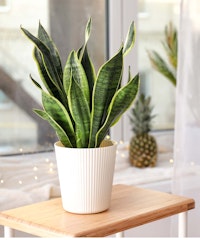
column 86, row 177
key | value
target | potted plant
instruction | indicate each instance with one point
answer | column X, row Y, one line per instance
column 81, row 106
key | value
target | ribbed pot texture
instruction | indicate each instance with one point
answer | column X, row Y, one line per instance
column 86, row 177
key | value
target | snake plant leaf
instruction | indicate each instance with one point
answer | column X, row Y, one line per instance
column 88, row 30
column 36, row 83
column 106, row 84
column 60, row 132
column 45, row 38
column 58, row 113
column 121, row 101
column 47, row 59
column 81, row 114
column 74, row 67
column 129, row 79
column 67, row 74
column 79, row 75
column 50, row 86
column 87, row 36
column 130, row 39
column 89, row 71
column 86, row 62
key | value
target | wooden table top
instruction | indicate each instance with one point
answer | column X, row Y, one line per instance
column 130, row 207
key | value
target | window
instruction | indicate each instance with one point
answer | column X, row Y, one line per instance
column 153, row 16
column 18, row 126
column 21, row 129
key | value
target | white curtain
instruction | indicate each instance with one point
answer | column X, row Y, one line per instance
column 186, row 178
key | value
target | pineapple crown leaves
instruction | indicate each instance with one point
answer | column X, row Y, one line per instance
column 79, row 104
column 170, row 45
column 142, row 115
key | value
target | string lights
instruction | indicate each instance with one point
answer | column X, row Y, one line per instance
column 41, row 169
column 46, row 166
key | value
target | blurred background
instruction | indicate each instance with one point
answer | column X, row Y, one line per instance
column 20, row 129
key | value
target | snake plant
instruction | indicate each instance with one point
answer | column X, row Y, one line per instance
column 79, row 104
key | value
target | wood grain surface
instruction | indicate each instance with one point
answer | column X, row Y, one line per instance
column 130, row 207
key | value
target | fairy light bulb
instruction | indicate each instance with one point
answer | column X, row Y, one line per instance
column 171, row 160
column 20, row 149
column 51, row 165
column 35, row 168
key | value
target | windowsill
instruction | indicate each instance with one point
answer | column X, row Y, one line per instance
column 33, row 177
column 158, row 177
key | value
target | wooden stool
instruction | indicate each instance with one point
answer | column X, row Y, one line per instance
column 130, row 207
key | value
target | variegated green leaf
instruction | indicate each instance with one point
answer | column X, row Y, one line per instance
column 60, row 132
column 67, row 74
column 80, row 112
column 74, row 67
column 87, row 36
column 50, row 65
column 46, row 39
column 106, row 84
column 36, row 83
column 88, row 67
column 88, row 30
column 58, row 113
column 89, row 71
column 130, row 39
column 129, row 79
column 119, row 104
column 50, row 86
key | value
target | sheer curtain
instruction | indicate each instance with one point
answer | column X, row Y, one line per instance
column 186, row 178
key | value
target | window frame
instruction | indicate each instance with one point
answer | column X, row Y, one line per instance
column 120, row 14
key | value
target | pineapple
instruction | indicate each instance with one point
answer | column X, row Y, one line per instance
column 143, row 147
